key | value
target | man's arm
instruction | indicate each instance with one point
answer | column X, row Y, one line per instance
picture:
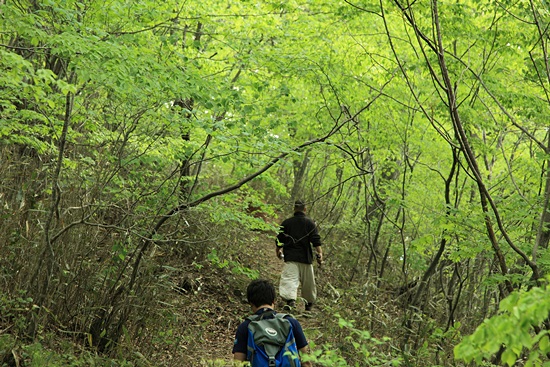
column 278, row 251
column 280, row 241
column 319, row 254
column 281, row 235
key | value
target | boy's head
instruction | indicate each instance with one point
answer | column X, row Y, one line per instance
column 260, row 292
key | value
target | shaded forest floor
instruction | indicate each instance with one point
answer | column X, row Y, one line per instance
column 216, row 306
column 200, row 299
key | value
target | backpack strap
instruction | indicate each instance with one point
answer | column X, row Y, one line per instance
column 290, row 342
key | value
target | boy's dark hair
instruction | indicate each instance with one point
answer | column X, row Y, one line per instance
column 260, row 292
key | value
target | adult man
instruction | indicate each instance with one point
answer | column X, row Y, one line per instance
column 261, row 296
column 294, row 242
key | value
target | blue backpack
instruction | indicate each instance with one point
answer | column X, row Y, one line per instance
column 271, row 341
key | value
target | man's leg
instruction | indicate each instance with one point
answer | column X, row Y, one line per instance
column 309, row 288
column 289, row 282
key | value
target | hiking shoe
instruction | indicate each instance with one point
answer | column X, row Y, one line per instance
column 309, row 306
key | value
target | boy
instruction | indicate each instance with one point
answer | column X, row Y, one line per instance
column 261, row 296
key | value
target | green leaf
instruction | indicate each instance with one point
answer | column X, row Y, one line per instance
column 509, row 357
column 544, row 344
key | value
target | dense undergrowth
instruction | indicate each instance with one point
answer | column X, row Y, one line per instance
column 197, row 301
column 193, row 299
column 201, row 301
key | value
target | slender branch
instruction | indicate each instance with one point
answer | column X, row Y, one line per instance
column 237, row 185
column 48, row 256
column 540, row 144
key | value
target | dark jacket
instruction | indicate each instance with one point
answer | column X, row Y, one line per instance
column 297, row 234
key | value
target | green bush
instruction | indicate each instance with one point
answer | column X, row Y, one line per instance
column 515, row 329
column 370, row 351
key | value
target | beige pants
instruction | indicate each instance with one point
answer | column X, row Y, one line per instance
column 292, row 276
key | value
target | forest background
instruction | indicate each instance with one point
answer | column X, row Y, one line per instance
column 149, row 149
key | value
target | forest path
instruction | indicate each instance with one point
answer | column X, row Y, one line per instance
column 218, row 338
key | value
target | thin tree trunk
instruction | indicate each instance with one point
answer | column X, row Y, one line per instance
column 543, row 232
column 40, row 283
column 300, row 168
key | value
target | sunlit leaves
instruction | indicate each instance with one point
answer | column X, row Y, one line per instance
column 511, row 329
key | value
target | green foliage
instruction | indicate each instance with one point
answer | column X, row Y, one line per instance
column 15, row 310
column 65, row 355
column 512, row 328
column 368, row 350
column 236, row 268
column 168, row 102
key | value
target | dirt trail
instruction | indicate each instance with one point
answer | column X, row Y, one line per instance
column 217, row 338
